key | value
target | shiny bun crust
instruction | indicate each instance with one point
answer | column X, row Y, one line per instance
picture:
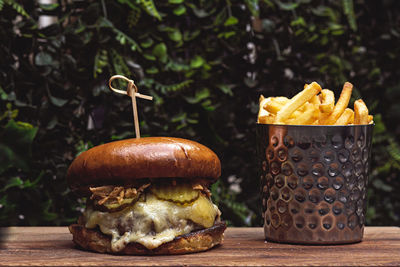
column 123, row 162
column 94, row 240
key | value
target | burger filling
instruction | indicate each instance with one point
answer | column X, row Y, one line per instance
column 149, row 215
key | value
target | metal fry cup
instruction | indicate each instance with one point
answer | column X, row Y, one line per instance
column 314, row 182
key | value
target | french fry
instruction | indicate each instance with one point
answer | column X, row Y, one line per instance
column 267, row 119
column 360, row 112
column 314, row 106
column 307, row 117
column 315, row 100
column 277, row 103
column 341, row 104
column 322, row 117
column 346, row 118
column 273, row 106
column 297, row 101
column 370, row 119
column 351, row 121
column 280, row 99
column 262, row 113
column 327, row 101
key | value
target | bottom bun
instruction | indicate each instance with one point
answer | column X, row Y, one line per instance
column 201, row 240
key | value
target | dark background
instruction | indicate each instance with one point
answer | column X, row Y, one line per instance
column 205, row 63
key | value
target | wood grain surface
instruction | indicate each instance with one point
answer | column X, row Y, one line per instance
column 49, row 246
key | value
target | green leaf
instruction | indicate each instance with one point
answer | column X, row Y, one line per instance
column 226, row 88
column 226, row 35
column 175, row 1
column 199, row 96
column 152, row 70
column 17, row 7
column 173, row 87
column 192, row 121
column 207, row 105
column 313, row 38
column 338, row 32
column 10, row 113
column 180, row 10
column 119, row 65
column 59, row 102
column 160, row 51
column 3, row 94
column 150, row 8
column 175, row 35
column 202, row 94
column 43, row 59
column 201, row 12
column 190, row 35
column 52, row 123
column 178, row 117
column 176, row 67
column 100, row 62
column 298, row 22
column 15, row 145
column 287, row 6
column 231, row 21
column 128, row 2
column 252, row 5
column 120, row 36
column 12, row 182
column 147, row 43
column 29, row 184
column 375, row 72
column 48, row 7
column 149, row 57
column 348, row 9
column 220, row 18
column 197, row 62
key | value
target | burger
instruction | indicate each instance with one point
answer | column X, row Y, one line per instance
column 147, row 196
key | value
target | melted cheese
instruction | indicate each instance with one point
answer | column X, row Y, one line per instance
column 152, row 222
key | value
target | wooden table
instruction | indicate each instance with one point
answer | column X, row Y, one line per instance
column 242, row 246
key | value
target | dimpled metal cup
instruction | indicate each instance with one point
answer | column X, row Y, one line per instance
column 314, row 182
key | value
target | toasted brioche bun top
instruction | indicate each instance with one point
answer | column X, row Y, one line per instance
column 126, row 161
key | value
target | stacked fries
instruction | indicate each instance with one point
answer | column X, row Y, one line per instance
column 314, row 106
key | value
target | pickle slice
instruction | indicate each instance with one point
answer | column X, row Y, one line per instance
column 180, row 193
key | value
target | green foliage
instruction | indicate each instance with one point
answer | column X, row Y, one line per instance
column 348, row 9
column 16, row 6
column 15, row 145
column 205, row 63
column 382, row 196
column 150, row 8
column 225, row 199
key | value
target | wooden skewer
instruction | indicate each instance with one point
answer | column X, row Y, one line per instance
column 131, row 91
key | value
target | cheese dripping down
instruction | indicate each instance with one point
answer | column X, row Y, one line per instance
column 152, row 221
